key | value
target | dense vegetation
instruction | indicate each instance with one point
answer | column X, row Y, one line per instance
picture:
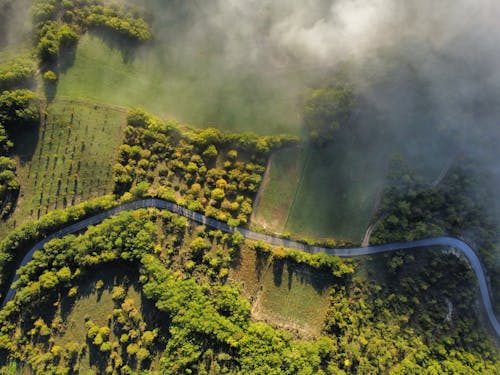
column 327, row 110
column 16, row 73
column 18, row 108
column 58, row 24
column 413, row 317
column 204, row 326
column 209, row 171
column 202, row 323
column 20, row 239
column 458, row 206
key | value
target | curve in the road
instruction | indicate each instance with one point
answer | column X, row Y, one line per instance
column 450, row 242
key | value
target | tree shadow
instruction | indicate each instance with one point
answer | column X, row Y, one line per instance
column 25, row 139
column 50, row 91
column 278, row 267
column 126, row 46
column 261, row 261
column 319, row 279
column 67, row 59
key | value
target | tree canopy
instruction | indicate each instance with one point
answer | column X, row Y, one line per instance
column 327, row 110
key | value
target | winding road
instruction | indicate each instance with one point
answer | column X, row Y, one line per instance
column 448, row 242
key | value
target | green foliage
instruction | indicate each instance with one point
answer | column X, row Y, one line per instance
column 16, row 73
column 31, row 232
column 47, row 42
column 57, row 24
column 49, row 76
column 118, row 293
column 67, row 36
column 141, row 189
column 210, row 152
column 18, row 108
column 327, row 110
column 458, row 206
column 207, row 170
column 125, row 24
column 9, row 186
column 368, row 328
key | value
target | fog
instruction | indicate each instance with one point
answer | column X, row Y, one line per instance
column 427, row 72
column 413, row 56
column 15, row 23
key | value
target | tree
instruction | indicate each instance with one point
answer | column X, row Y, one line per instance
column 15, row 72
column 119, row 293
column 211, row 152
column 50, row 77
column 18, row 107
column 142, row 354
column 217, row 194
column 48, row 280
column 327, row 110
column 67, row 36
column 64, row 274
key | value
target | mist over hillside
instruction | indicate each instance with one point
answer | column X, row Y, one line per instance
column 434, row 65
column 15, row 23
column 427, row 73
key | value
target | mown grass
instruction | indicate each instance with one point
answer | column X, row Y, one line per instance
column 282, row 293
column 193, row 91
column 68, row 159
column 279, row 188
column 328, row 192
column 337, row 193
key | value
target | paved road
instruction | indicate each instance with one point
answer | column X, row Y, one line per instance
column 448, row 242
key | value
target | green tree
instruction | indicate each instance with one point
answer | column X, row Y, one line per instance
column 50, row 77
column 326, row 110
column 18, row 107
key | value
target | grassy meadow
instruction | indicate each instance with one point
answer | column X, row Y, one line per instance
column 278, row 189
column 282, row 293
column 336, row 195
column 192, row 91
column 318, row 193
column 68, row 159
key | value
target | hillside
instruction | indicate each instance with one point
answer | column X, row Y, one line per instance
column 185, row 186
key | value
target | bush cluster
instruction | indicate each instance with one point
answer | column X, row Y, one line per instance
column 208, row 171
column 16, row 72
column 18, row 108
column 58, row 24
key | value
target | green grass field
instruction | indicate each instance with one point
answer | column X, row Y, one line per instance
column 321, row 193
column 68, row 159
column 337, row 193
column 193, row 91
column 282, row 293
column 279, row 189
column 295, row 297
column 333, row 191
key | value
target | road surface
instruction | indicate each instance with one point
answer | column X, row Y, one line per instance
column 448, row 242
